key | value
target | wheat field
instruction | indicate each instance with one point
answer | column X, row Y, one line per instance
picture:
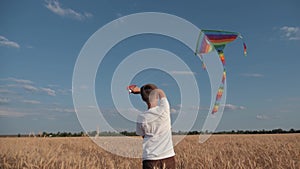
column 220, row 151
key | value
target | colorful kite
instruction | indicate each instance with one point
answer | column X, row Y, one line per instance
column 209, row 39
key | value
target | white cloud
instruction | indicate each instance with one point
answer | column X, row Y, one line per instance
column 5, row 42
column 252, row 75
column 182, row 73
column 234, row 107
column 16, row 80
column 119, row 20
column 30, row 88
column 262, row 117
column 5, row 91
column 87, row 14
column 58, row 90
column 290, row 33
column 10, row 113
column 63, row 110
column 31, row 101
column 23, row 81
column 64, row 91
column 56, row 7
column 49, row 91
column 29, row 47
column 4, row 101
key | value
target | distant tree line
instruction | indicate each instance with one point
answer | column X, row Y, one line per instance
column 132, row 133
column 62, row 134
column 274, row 131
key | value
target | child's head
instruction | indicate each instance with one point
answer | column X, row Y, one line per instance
column 145, row 92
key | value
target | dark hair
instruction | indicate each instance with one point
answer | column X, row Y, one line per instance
column 146, row 90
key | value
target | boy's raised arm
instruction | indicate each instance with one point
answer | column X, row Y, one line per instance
column 134, row 89
column 161, row 93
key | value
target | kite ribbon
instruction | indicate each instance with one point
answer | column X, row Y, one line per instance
column 221, row 87
column 244, row 45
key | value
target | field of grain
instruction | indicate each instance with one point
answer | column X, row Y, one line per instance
column 220, row 151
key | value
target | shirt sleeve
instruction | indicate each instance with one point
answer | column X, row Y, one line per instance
column 139, row 129
column 164, row 104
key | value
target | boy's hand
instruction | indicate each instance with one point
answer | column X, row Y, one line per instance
column 134, row 89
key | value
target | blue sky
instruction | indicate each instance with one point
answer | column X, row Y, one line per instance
column 41, row 40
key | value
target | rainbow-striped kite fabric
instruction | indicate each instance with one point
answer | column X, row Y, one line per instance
column 216, row 39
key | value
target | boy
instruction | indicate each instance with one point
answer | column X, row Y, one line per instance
column 154, row 125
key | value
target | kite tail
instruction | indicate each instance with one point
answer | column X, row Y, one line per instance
column 222, row 57
column 218, row 99
column 244, row 45
column 245, row 48
column 221, row 87
column 203, row 64
column 219, row 95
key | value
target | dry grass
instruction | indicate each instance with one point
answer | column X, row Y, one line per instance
column 241, row 151
column 220, row 151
